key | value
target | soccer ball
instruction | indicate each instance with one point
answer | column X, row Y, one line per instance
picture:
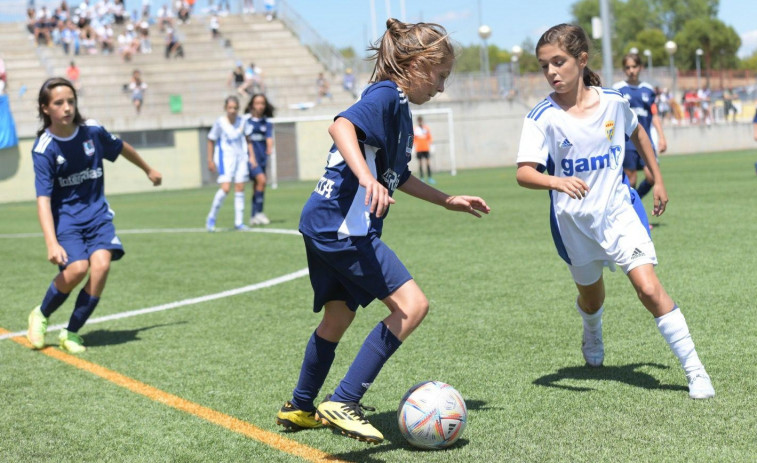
column 432, row 415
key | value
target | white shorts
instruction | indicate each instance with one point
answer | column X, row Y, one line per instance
column 587, row 274
column 231, row 167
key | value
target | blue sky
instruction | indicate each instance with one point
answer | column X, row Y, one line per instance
column 348, row 22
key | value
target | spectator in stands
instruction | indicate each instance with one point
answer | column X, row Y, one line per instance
column 173, row 44
column 182, row 11
column 253, row 81
column 105, row 36
column 73, row 73
column 728, row 106
column 128, row 43
column 88, row 40
column 214, row 27
column 137, row 87
column 270, row 9
column 236, row 78
column 248, row 7
column 119, row 12
column 143, row 31
column 703, row 95
column 165, row 17
column 348, row 82
column 323, row 88
column 70, row 38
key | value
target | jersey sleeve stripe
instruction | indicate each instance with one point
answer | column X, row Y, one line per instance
column 537, row 107
column 610, row 91
column 44, row 140
column 538, row 115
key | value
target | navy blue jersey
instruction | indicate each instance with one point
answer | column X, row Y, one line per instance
column 641, row 99
column 70, row 172
column 336, row 209
column 258, row 130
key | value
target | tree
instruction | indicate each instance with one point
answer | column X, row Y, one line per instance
column 750, row 62
column 675, row 14
column 654, row 41
column 718, row 41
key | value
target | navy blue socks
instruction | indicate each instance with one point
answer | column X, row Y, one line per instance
column 85, row 305
column 319, row 355
column 52, row 300
column 377, row 348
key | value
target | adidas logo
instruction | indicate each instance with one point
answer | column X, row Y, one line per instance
column 566, row 144
column 637, row 253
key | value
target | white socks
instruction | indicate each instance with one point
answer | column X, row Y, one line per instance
column 238, row 208
column 592, row 322
column 674, row 329
column 216, row 205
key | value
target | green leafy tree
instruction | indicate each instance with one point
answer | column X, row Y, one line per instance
column 675, row 14
column 749, row 62
column 654, row 41
column 718, row 41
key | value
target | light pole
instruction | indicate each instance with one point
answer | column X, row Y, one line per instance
column 671, row 48
column 648, row 54
column 516, row 52
column 484, row 32
column 698, row 57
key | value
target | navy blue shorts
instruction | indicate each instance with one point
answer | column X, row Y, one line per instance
column 356, row 270
column 633, row 161
column 259, row 169
column 80, row 244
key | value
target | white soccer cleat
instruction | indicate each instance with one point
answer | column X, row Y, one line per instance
column 700, row 385
column 593, row 347
column 259, row 219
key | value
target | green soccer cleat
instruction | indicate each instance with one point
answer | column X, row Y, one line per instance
column 71, row 342
column 294, row 419
column 349, row 419
column 37, row 328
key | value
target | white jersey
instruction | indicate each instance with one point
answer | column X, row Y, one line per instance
column 592, row 149
column 230, row 151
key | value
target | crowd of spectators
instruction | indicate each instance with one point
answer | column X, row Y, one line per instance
column 88, row 28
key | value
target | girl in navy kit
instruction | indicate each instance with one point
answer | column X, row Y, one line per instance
column 259, row 133
column 342, row 222
column 76, row 221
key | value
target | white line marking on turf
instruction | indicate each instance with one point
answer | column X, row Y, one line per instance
column 173, row 305
column 280, row 231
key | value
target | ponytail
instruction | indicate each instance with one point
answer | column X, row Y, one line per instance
column 591, row 78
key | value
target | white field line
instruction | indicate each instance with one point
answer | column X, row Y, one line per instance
column 173, row 305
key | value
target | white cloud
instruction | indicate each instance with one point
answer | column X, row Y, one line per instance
column 748, row 43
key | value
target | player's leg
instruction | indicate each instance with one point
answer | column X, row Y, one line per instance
column 590, row 305
column 56, row 294
column 673, row 327
column 239, row 206
column 299, row 413
column 258, row 197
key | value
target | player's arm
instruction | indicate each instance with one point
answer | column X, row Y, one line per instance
column 344, row 134
column 662, row 144
column 268, row 146
column 55, row 252
column 470, row 204
column 211, row 147
column 132, row 156
column 643, row 145
column 251, row 154
column 529, row 177
column 755, row 129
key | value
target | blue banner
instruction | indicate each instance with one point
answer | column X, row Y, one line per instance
column 8, row 137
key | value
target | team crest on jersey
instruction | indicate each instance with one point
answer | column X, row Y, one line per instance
column 89, row 147
column 610, row 129
column 60, row 160
column 392, row 179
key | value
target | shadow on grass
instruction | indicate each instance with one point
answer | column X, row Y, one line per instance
column 386, row 422
column 115, row 337
column 627, row 374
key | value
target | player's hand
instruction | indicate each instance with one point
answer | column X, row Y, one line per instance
column 212, row 166
column 660, row 199
column 662, row 145
column 470, row 204
column 155, row 177
column 57, row 255
column 572, row 186
column 377, row 196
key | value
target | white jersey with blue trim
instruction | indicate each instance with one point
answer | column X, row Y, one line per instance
column 641, row 98
column 336, row 208
column 70, row 172
column 229, row 138
column 590, row 148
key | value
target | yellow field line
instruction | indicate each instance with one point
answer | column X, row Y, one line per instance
column 268, row 438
